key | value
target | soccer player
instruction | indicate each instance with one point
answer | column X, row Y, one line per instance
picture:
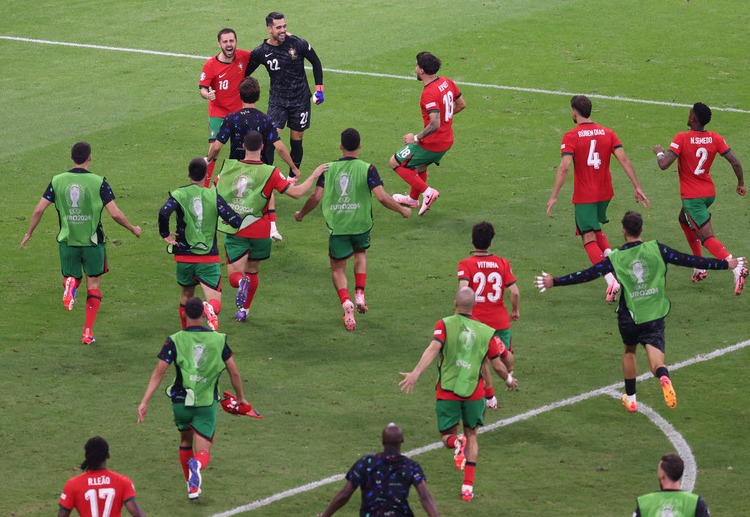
column 489, row 276
column 237, row 124
column 249, row 184
column 193, row 243
column 642, row 270
column 589, row 146
column 441, row 100
column 347, row 210
column 695, row 151
column 671, row 499
column 219, row 83
column 385, row 479
column 98, row 491
column 284, row 56
column 463, row 344
column 199, row 356
column 79, row 197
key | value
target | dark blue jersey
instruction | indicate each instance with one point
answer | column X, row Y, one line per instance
column 238, row 124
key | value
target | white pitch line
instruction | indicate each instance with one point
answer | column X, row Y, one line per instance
column 682, row 447
column 387, row 76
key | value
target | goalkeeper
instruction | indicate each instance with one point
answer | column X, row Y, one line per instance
column 199, row 355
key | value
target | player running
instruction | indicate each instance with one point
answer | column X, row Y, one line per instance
column 441, row 100
column 695, row 151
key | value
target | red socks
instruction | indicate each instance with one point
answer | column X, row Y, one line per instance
column 594, row 252
column 716, row 248
column 93, row 301
column 204, row 457
column 693, row 240
column 360, row 279
column 216, row 305
column 183, row 316
column 343, row 295
column 602, row 241
column 209, row 173
column 414, row 193
column 469, row 470
column 185, row 454
column 451, row 442
column 412, row 178
column 251, row 289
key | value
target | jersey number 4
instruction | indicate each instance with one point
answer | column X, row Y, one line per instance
column 494, row 284
column 93, row 496
column 593, row 159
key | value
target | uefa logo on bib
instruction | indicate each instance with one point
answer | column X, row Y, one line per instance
column 76, row 196
column 639, row 272
column 342, row 187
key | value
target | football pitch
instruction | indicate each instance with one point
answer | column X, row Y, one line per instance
column 124, row 78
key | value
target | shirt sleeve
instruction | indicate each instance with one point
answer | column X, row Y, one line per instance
column 164, row 214
column 321, row 181
column 49, row 194
column 168, row 352
column 439, row 333
column 615, row 141
column 206, row 75
column 226, row 353
column 672, row 256
column 676, row 146
column 587, row 275
column 463, row 271
column 67, row 497
column 701, row 509
column 225, row 131
column 568, row 145
column 105, row 192
column 354, row 476
column 417, row 474
column 373, row 178
column 128, row 489
column 279, row 182
column 314, row 60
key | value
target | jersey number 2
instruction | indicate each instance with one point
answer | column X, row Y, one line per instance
column 93, row 496
column 702, row 154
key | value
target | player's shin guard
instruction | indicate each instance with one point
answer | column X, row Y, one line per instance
column 234, row 278
column 716, row 248
column 183, row 316
column 594, row 252
column 252, row 288
column 204, row 458
column 693, row 240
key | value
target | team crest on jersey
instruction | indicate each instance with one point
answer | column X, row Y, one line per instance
column 466, row 338
column 342, row 187
column 196, row 208
column 76, row 195
column 639, row 271
column 293, row 54
column 198, row 355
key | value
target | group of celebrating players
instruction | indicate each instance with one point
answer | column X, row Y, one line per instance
column 238, row 201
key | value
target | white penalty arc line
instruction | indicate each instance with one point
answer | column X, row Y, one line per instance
column 616, row 98
column 681, row 446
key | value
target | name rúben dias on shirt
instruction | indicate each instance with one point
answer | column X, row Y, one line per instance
column 591, row 132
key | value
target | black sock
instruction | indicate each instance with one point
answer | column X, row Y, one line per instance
column 661, row 372
column 296, row 152
column 630, row 387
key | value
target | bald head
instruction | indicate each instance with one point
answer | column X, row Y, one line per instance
column 465, row 300
column 393, row 436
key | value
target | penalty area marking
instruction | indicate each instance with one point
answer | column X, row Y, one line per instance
column 680, row 444
column 374, row 74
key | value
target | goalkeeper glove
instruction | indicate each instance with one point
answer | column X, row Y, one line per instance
column 319, row 97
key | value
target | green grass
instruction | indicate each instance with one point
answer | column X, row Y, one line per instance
column 327, row 393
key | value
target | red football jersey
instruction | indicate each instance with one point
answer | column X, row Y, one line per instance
column 592, row 146
column 225, row 79
column 489, row 277
column 97, row 493
column 439, row 95
column 695, row 152
column 261, row 229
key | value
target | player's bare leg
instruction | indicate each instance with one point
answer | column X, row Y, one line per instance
column 360, row 276
column 212, row 305
column 629, row 373
column 338, row 275
column 660, row 371
column 93, row 302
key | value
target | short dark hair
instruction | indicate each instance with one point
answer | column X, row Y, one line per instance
column 702, row 113
column 581, row 104
column 80, row 152
column 273, row 16
column 194, row 308
column 225, row 31
column 632, row 223
column 249, row 90
column 673, row 466
column 253, row 141
column 428, row 62
column 350, row 139
column 96, row 452
column 197, row 169
column 482, row 235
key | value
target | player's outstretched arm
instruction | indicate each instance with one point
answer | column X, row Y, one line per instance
column 310, row 204
column 153, row 385
column 429, row 355
column 339, row 500
column 119, row 218
column 298, row 190
column 387, row 201
column 428, row 502
column 560, row 176
column 36, row 216
column 543, row 282
column 664, row 160
column 640, row 197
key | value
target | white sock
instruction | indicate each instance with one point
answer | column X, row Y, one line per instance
column 630, row 398
column 273, row 226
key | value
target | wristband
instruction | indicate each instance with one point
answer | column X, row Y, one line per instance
column 489, row 392
column 659, row 155
column 318, row 87
column 509, row 380
column 416, row 140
